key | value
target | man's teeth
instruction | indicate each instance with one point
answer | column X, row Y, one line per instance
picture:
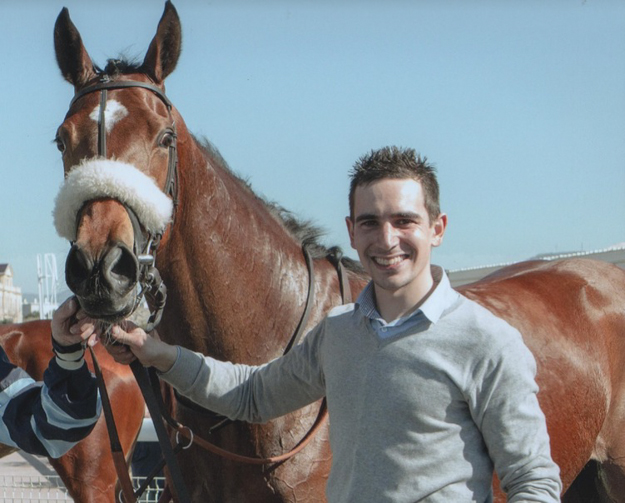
column 388, row 261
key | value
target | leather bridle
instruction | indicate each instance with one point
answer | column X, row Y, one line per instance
column 145, row 243
column 144, row 247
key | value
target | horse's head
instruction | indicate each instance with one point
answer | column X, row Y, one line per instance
column 118, row 142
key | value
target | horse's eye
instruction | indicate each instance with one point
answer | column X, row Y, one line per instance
column 167, row 139
column 59, row 144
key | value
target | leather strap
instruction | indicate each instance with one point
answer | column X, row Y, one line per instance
column 179, row 489
column 119, row 460
column 122, row 84
column 299, row 332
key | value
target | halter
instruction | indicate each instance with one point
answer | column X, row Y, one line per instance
column 145, row 243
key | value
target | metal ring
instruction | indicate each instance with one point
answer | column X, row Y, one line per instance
column 190, row 440
column 120, row 496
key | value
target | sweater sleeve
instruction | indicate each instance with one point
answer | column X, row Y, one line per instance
column 254, row 394
column 505, row 407
column 46, row 418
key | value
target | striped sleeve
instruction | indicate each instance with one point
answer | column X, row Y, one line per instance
column 46, row 418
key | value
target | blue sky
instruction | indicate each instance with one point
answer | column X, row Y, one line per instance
column 520, row 105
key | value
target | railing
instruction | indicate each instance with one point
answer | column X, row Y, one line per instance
column 36, row 489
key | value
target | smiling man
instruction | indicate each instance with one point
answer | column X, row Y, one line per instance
column 428, row 392
column 394, row 233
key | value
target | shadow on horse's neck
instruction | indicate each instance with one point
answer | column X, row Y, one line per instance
column 236, row 278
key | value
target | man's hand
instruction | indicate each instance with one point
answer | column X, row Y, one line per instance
column 71, row 325
column 136, row 344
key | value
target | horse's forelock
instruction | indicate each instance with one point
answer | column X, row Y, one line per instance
column 121, row 66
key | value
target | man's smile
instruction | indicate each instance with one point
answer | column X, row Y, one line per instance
column 389, row 261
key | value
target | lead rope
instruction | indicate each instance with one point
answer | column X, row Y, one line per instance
column 335, row 257
column 142, row 376
column 149, row 384
column 119, row 460
column 154, row 286
column 159, row 296
column 117, row 452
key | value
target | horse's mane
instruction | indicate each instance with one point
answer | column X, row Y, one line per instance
column 304, row 231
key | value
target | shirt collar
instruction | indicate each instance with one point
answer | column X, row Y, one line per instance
column 433, row 307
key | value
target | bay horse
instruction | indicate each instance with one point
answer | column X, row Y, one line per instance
column 87, row 470
column 141, row 188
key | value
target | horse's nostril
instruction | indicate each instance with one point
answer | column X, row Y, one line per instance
column 120, row 269
column 77, row 269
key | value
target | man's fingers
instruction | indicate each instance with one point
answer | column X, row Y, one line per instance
column 84, row 328
column 121, row 354
column 69, row 307
column 125, row 358
column 120, row 335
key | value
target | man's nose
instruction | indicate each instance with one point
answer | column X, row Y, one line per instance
column 388, row 235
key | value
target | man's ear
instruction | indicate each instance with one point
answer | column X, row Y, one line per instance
column 438, row 229
column 350, row 231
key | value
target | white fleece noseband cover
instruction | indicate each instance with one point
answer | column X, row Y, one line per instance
column 105, row 178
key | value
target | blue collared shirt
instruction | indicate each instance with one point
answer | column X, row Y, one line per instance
column 429, row 312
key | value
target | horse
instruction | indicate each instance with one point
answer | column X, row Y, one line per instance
column 140, row 188
column 87, row 470
column 571, row 316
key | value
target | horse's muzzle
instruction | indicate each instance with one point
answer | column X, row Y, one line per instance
column 105, row 285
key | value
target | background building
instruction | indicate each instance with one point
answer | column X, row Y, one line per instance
column 10, row 297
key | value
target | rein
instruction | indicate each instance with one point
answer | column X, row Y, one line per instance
column 335, row 257
column 149, row 384
column 153, row 288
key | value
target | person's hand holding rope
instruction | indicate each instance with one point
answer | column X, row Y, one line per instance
column 135, row 343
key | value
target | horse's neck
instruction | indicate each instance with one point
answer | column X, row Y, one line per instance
column 235, row 277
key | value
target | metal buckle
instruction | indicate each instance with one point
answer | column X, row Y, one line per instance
column 190, row 440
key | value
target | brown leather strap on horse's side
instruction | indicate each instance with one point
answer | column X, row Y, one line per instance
column 299, row 332
column 321, row 416
column 151, row 392
column 335, row 256
column 189, row 435
column 119, row 460
column 153, row 401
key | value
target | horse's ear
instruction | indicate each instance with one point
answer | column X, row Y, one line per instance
column 71, row 55
column 164, row 50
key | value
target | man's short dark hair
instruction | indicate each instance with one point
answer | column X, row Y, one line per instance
column 396, row 163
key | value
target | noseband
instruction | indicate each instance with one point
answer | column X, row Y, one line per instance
column 145, row 243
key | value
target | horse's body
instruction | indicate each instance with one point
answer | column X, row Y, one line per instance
column 572, row 317
column 237, row 284
column 87, row 470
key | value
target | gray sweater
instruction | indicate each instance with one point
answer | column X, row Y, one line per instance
column 422, row 416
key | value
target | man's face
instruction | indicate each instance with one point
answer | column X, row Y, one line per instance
column 393, row 235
